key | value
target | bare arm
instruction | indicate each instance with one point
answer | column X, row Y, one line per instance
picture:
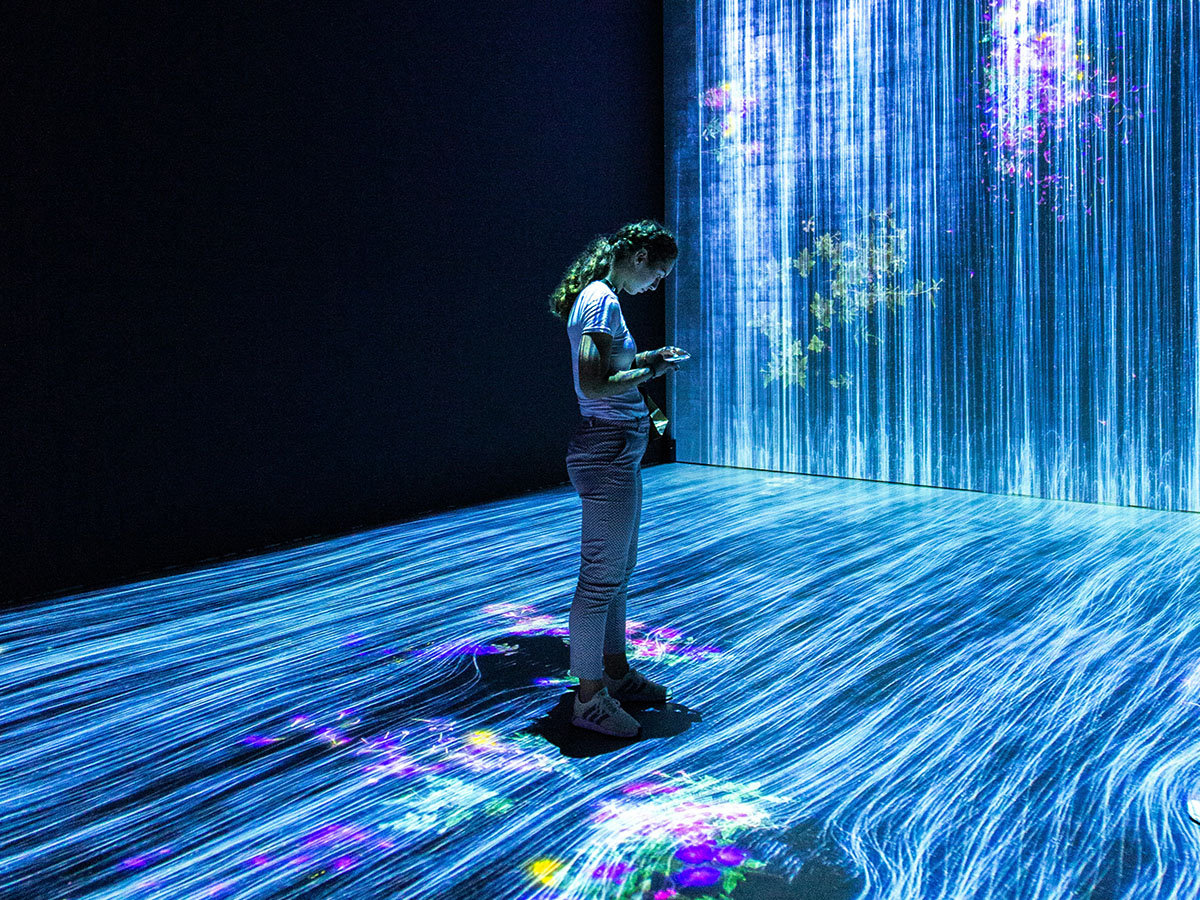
column 595, row 378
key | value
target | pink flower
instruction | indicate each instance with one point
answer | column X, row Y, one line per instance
column 715, row 98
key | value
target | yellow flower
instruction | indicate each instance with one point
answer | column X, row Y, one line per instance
column 482, row 739
column 547, row 871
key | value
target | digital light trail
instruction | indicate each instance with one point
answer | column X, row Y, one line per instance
column 878, row 691
column 938, row 242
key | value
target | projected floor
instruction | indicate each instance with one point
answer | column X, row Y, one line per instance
column 880, row 691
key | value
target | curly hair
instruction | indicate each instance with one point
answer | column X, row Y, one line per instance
column 601, row 253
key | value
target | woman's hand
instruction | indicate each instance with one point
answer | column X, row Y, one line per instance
column 662, row 361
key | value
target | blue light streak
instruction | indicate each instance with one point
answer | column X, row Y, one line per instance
column 940, row 243
column 891, row 692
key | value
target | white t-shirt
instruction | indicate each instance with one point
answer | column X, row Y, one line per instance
column 597, row 309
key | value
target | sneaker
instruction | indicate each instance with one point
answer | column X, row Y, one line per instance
column 604, row 714
column 635, row 688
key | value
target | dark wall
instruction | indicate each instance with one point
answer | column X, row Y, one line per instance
column 279, row 273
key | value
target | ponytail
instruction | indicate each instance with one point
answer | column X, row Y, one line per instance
column 590, row 265
column 596, row 261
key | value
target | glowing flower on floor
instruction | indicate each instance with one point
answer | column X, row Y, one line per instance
column 523, row 619
column 671, row 833
column 698, row 876
column 664, row 644
column 324, row 851
column 547, row 871
column 438, row 749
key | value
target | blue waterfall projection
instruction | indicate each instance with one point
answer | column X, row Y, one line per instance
column 940, row 243
column 882, row 692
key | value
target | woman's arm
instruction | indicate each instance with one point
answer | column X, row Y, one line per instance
column 595, row 380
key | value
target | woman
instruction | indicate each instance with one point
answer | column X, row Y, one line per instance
column 604, row 460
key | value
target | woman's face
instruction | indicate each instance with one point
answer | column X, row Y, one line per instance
column 646, row 275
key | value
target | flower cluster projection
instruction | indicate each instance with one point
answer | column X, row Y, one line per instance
column 1050, row 100
column 939, row 242
column 857, row 283
column 665, row 837
column 726, row 109
column 917, row 694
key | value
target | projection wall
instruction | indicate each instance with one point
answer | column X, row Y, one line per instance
column 940, row 242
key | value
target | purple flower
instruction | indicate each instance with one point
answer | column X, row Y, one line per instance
column 612, row 871
column 695, row 853
column 731, row 856
column 698, row 876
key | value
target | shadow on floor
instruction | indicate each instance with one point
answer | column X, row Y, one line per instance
column 542, row 656
column 535, row 656
column 671, row 720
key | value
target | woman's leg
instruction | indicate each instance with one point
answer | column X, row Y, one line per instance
column 615, row 662
column 606, row 474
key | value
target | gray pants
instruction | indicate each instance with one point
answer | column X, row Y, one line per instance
column 604, row 460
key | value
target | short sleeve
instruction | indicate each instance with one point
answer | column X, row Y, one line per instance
column 600, row 313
